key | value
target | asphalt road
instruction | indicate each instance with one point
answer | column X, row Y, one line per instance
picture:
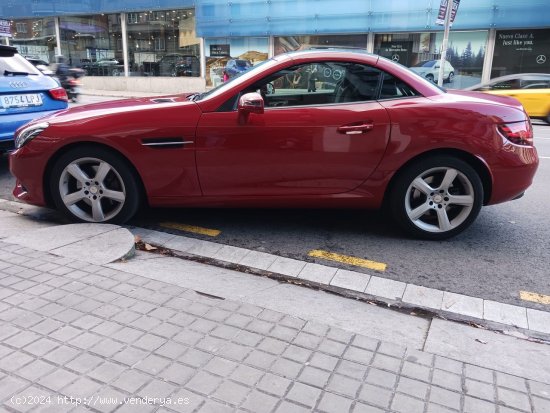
column 504, row 252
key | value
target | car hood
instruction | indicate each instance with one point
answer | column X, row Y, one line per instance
column 114, row 107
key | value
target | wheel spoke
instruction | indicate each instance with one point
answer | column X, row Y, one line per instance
column 443, row 218
column 419, row 211
column 467, row 200
column 102, row 172
column 114, row 195
column 73, row 197
column 78, row 173
column 448, row 179
column 97, row 211
column 422, row 186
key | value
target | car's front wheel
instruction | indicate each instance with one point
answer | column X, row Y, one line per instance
column 436, row 198
column 450, row 77
column 92, row 184
column 430, row 77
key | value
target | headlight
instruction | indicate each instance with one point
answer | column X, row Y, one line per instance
column 28, row 133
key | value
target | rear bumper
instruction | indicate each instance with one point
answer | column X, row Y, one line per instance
column 513, row 173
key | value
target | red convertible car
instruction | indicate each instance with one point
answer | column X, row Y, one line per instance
column 359, row 132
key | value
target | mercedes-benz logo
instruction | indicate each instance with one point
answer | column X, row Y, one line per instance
column 541, row 59
column 395, row 58
column 19, row 84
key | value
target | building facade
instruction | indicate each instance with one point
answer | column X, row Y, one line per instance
column 174, row 45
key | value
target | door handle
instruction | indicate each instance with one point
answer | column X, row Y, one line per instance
column 356, row 129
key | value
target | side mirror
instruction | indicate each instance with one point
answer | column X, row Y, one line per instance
column 251, row 103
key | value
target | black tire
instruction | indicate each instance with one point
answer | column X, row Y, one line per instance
column 436, row 212
column 111, row 195
column 430, row 77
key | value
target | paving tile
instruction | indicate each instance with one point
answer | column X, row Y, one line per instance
column 203, row 383
column 385, row 288
column 259, row 402
column 514, row 399
column 274, row 384
column 462, row 304
column 376, row 396
column 350, row 280
column 287, row 266
column 317, row 273
column 445, row 397
column 333, row 403
column 131, row 380
column 304, row 394
column 257, row 259
column 231, row 393
column 538, row 320
column 505, row 313
column 423, row 297
column 406, row 404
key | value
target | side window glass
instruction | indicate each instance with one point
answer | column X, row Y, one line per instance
column 319, row 83
column 393, row 88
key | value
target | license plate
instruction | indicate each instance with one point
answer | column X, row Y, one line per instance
column 20, row 101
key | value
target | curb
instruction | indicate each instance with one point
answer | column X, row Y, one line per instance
column 514, row 320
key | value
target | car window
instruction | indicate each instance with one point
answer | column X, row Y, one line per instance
column 319, row 83
column 15, row 65
column 393, row 88
column 507, row 84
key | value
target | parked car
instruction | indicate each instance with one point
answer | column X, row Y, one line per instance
column 531, row 89
column 430, row 70
column 25, row 94
column 234, row 67
column 175, row 64
column 104, row 67
column 380, row 137
column 40, row 64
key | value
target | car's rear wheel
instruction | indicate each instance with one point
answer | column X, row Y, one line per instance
column 436, row 198
column 92, row 184
column 430, row 77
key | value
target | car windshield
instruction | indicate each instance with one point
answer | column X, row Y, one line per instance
column 425, row 63
column 227, row 84
column 15, row 65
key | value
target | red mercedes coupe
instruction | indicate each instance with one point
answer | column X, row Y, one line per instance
column 311, row 129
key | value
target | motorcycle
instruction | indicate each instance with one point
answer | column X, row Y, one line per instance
column 72, row 84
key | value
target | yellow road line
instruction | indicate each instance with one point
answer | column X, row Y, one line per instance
column 534, row 297
column 346, row 259
column 191, row 228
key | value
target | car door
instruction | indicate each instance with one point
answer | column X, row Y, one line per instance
column 305, row 143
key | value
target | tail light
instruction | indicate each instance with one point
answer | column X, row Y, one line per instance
column 59, row 94
column 519, row 133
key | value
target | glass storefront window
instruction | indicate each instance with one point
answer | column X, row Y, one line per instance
column 35, row 38
column 291, row 43
column 227, row 57
column 93, row 43
column 521, row 51
column 163, row 43
column 465, row 54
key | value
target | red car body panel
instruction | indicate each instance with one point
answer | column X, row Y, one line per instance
column 289, row 156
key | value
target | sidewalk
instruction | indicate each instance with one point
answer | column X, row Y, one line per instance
column 159, row 333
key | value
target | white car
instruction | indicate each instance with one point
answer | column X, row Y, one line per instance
column 430, row 70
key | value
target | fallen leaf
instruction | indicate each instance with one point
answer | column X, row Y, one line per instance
column 481, row 341
column 149, row 247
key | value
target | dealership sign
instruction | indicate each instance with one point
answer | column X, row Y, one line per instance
column 443, row 11
column 5, row 30
column 219, row 50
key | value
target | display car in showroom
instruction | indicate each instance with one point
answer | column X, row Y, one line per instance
column 531, row 89
column 430, row 70
column 380, row 137
column 25, row 94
